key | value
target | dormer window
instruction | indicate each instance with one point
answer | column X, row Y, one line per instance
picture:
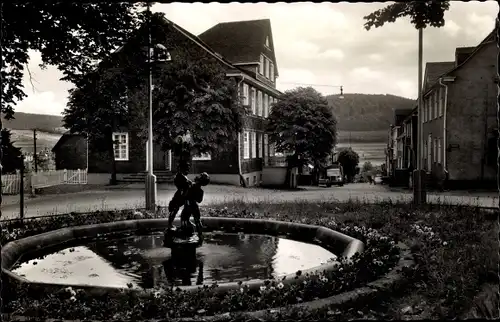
column 267, row 42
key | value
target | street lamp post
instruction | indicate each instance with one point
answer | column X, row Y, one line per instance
column 150, row 181
column 419, row 195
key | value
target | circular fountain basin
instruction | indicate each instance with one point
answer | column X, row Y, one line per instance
column 98, row 258
column 143, row 262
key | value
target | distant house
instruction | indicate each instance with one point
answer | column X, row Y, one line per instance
column 460, row 131
column 245, row 50
column 70, row 152
column 459, row 116
column 400, row 148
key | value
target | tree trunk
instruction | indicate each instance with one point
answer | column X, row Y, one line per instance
column 290, row 164
column 111, row 150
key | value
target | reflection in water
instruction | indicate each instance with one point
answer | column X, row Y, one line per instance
column 144, row 262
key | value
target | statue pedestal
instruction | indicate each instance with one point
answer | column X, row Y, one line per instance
column 183, row 262
column 181, row 241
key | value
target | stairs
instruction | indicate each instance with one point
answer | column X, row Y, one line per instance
column 162, row 176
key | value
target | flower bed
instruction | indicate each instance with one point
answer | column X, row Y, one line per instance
column 379, row 257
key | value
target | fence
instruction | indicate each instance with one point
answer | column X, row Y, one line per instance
column 42, row 179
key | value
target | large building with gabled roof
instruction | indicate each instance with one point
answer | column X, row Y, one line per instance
column 245, row 49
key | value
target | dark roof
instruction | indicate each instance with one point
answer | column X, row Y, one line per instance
column 401, row 114
column 464, row 50
column 63, row 139
column 238, row 41
column 434, row 70
column 440, row 70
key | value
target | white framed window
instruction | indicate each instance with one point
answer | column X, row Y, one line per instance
column 266, row 145
column 266, row 67
column 120, row 149
column 271, row 71
column 259, row 145
column 253, row 100
column 266, row 105
column 259, row 103
column 254, row 144
column 246, row 94
column 246, row 145
column 261, row 66
column 202, row 157
column 267, row 42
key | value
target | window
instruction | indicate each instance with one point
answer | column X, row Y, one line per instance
column 254, row 144
column 246, row 94
column 259, row 103
column 272, row 149
column 246, row 145
column 123, row 101
column 253, row 100
column 439, row 151
column 436, row 102
column 271, row 71
column 266, row 67
column 424, row 110
column 259, row 145
column 267, row 41
column 434, row 156
column 440, row 102
column 120, row 146
column 492, row 154
column 266, row 145
column 266, row 106
column 443, row 94
column 202, row 157
column 429, row 109
column 429, row 152
column 261, row 66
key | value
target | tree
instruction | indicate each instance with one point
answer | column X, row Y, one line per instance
column 191, row 93
column 11, row 156
column 303, row 124
column 367, row 167
column 349, row 160
column 69, row 35
column 421, row 13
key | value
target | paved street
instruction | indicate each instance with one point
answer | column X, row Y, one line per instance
column 133, row 197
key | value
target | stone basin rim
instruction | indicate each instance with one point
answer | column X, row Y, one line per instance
column 341, row 244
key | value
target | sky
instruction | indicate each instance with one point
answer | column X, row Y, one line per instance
column 321, row 44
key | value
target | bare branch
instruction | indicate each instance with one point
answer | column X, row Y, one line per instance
column 31, row 79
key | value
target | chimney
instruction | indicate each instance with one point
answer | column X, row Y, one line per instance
column 462, row 53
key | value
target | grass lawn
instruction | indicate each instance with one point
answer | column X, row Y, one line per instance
column 455, row 249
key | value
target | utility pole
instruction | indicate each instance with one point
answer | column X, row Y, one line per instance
column 35, row 159
column 419, row 195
